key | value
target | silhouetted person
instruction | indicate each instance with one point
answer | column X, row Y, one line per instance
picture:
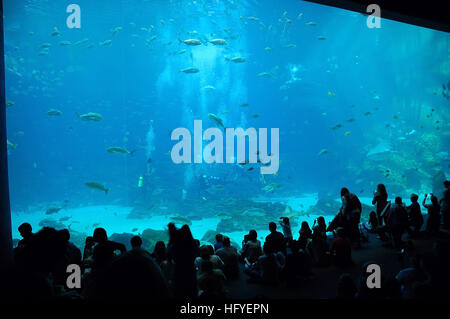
column 131, row 275
column 434, row 216
column 305, row 233
column 88, row 252
column 26, row 232
column 218, row 244
column 397, row 221
column 267, row 269
column 276, row 239
column 230, row 258
column 380, row 199
column 320, row 227
column 207, row 254
column 341, row 250
column 104, row 249
column 136, row 245
column 33, row 266
column 351, row 212
column 445, row 208
column 286, row 227
column 164, row 261
column 211, row 281
column 184, row 254
column 346, row 287
column 252, row 248
column 414, row 216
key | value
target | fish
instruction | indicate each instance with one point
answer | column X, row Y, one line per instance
column 321, row 38
column 324, row 151
column 331, row 94
column 351, row 120
column 105, row 43
column 119, row 150
column 134, row 229
column 267, row 49
column 149, row 160
column 312, row 23
column 255, row 116
column 250, row 169
column 191, row 42
column 55, row 32
column 11, row 145
column 20, row 133
column 65, row 43
column 54, row 112
column 337, row 126
column 189, row 70
column 290, row 46
column 208, row 87
column 53, row 210
column 46, row 45
column 237, row 59
column 9, row 103
column 367, row 113
column 97, row 186
column 95, row 117
column 253, row 18
column 264, row 75
column 216, row 119
column 347, row 133
column 218, row 41
column 245, row 104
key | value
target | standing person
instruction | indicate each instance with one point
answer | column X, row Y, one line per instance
column 445, row 208
column 397, row 221
column 351, row 210
column 414, row 216
column 184, row 254
column 286, row 227
column 380, row 199
column 434, row 216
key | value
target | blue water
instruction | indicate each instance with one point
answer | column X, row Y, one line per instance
column 396, row 73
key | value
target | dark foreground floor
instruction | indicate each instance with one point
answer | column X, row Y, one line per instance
column 325, row 285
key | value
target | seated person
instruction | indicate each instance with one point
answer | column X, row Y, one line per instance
column 207, row 254
column 341, row 250
column 276, row 238
column 252, row 248
column 104, row 250
column 211, row 282
column 219, row 242
column 267, row 269
column 415, row 217
column 230, row 258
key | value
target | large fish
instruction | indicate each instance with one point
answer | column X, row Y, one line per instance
column 119, row 150
column 95, row 117
column 218, row 41
column 97, row 186
column 216, row 120
column 191, row 42
column 189, row 70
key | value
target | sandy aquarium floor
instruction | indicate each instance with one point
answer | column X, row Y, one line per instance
column 114, row 219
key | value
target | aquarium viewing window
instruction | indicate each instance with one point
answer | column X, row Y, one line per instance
column 224, row 116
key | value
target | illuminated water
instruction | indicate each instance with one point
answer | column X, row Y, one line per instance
column 356, row 108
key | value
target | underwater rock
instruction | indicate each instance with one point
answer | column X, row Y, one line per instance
column 228, row 226
column 151, row 236
column 124, row 238
column 325, row 207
